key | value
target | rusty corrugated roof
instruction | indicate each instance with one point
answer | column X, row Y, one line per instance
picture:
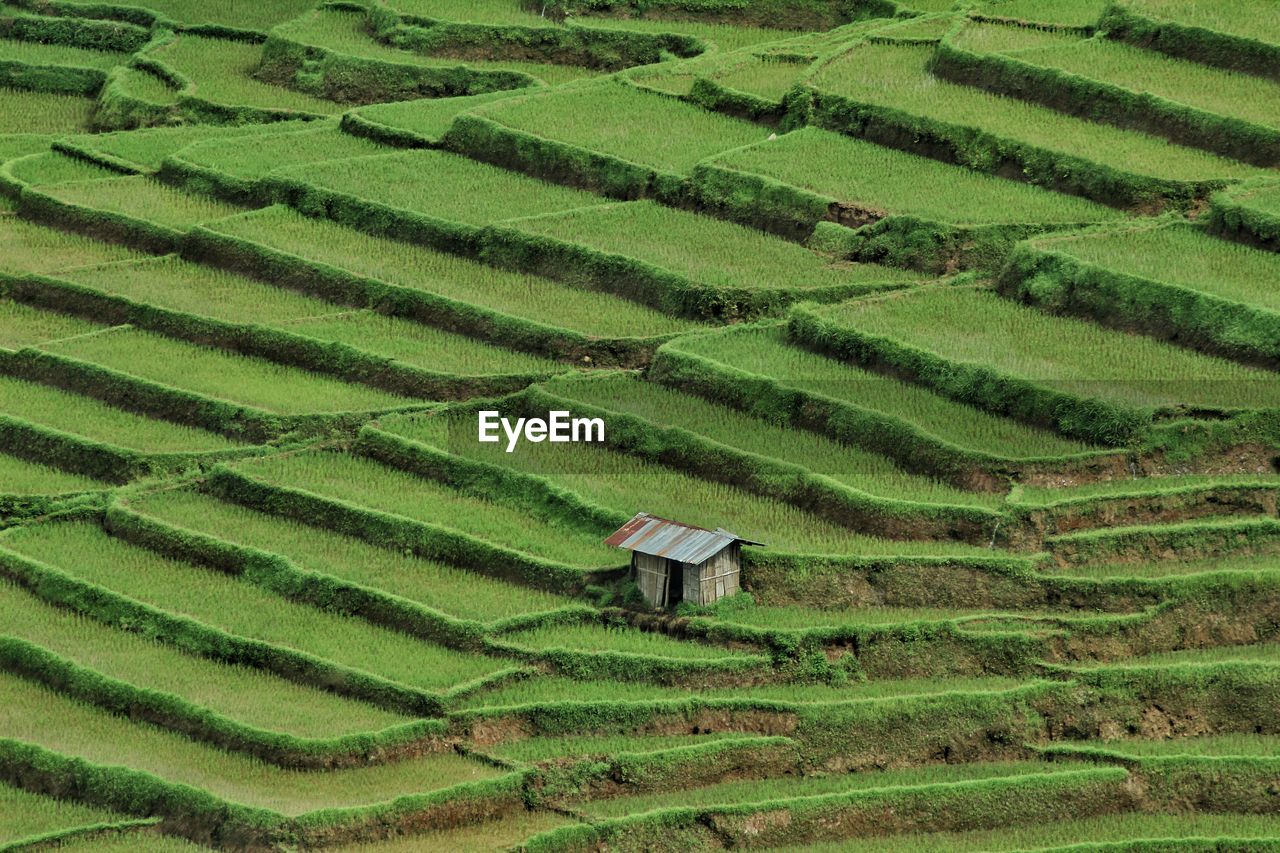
column 662, row 537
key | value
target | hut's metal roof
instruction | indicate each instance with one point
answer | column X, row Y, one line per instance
column 662, row 537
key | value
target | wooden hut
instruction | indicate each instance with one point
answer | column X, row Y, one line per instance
column 673, row 562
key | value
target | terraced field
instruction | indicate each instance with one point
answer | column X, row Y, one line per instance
column 967, row 311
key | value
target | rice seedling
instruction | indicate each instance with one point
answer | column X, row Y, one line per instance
column 238, row 607
column 542, row 300
column 1203, row 87
column 924, row 28
column 896, row 76
column 545, row 689
column 23, row 111
column 708, row 251
column 1180, row 254
column 472, row 12
column 1257, row 653
column 614, row 118
column 1063, row 13
column 1037, row 495
column 602, row 638
column 24, row 814
column 1228, row 744
column 53, row 54
column 546, row 748
column 20, row 477
column 145, row 86
column 848, row 465
column 346, row 32
column 757, row 75
column 460, row 190
column 1254, row 19
column 24, row 326
column 250, row 696
column 797, row 618
column 214, row 373
column 1174, row 568
column 37, row 715
column 180, row 285
column 720, row 38
column 97, row 421
column 50, row 167
column 367, row 483
column 130, row 841
column 973, row 325
column 499, row 834
column 930, row 6
column 1140, row 828
column 146, row 148
column 269, row 151
column 29, row 248
column 762, row 790
column 143, row 198
column 427, row 118
column 260, row 16
column 895, row 182
column 764, row 351
column 630, row 485
column 1265, row 198
column 221, row 71
column 462, row 594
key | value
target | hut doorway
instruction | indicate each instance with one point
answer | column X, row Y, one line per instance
column 661, row 580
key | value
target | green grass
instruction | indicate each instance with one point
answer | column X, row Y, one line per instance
column 146, row 86
column 127, row 842
column 720, row 38
column 1181, row 255
column 214, row 373
column 1265, row 198
column 347, row 33
column 1254, row 19
column 1068, row 13
column 20, row 477
column 850, row 466
column 708, row 251
column 24, row 814
column 617, row 119
column 1228, row 744
column 539, row 299
column 52, row 167
column 460, row 190
column 500, row 834
column 975, row 326
column 41, row 53
column 229, row 13
column 465, row 595
column 429, row 118
column 1215, row 90
column 221, row 71
column 601, row 638
column 895, row 182
column 1172, row 568
column 248, row 695
column 73, row 413
column 1258, row 652
column 761, row 76
column 180, row 285
column 795, row 617
column 240, row 608
column 544, row 689
column 765, row 352
column 250, row 159
column 1124, row 827
column 22, row 111
column 147, row 148
column 547, row 748
column 472, row 11
column 35, row 714
column 367, row 483
column 141, row 197
column 27, row 247
column 24, row 326
column 762, row 790
column 895, row 76
column 1140, row 485
column 629, row 485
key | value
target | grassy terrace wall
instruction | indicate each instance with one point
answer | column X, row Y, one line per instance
column 1232, row 51
column 1038, row 273
column 906, row 444
column 1229, row 136
column 1248, row 213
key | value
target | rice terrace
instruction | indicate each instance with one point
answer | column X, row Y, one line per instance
column 584, row 425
